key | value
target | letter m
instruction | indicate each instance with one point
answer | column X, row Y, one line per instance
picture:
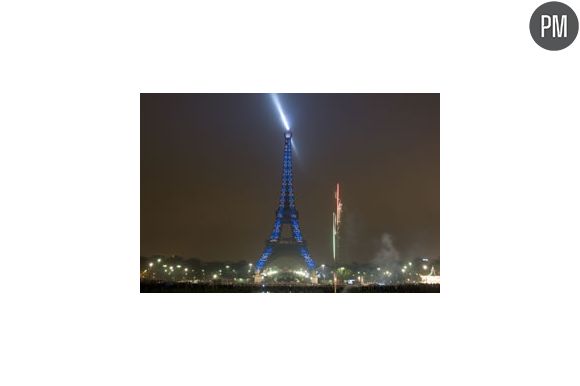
column 560, row 27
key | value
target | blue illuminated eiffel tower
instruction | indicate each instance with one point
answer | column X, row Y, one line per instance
column 286, row 214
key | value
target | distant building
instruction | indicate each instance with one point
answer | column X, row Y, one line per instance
column 431, row 278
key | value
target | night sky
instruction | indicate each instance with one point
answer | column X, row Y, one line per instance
column 211, row 167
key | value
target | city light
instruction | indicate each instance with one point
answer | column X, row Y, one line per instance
column 159, row 260
column 301, row 273
column 368, row 276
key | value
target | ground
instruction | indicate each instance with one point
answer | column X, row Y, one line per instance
column 158, row 286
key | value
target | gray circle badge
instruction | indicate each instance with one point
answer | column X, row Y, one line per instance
column 554, row 26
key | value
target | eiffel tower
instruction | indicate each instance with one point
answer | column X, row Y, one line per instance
column 286, row 214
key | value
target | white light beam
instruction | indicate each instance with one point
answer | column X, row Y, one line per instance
column 280, row 111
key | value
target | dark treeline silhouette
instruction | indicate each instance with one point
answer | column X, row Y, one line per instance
column 167, row 286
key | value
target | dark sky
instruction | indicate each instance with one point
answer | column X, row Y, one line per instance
column 211, row 168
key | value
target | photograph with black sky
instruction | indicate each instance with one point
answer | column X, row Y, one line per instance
column 269, row 193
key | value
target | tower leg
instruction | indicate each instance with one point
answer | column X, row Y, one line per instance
column 264, row 258
column 306, row 256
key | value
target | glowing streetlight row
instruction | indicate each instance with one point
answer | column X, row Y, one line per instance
column 170, row 269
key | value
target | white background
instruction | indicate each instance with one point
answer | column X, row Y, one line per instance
column 71, row 74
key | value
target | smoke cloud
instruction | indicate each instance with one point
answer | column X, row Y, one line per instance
column 387, row 252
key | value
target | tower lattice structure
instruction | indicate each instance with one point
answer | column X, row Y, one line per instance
column 286, row 214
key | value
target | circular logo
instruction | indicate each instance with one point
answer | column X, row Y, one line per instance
column 554, row 26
